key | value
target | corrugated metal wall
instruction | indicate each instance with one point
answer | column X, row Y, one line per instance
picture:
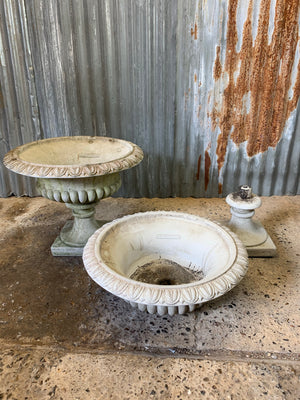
column 208, row 89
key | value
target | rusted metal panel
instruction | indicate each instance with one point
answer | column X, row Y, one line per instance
column 255, row 104
column 19, row 116
column 244, row 95
column 209, row 90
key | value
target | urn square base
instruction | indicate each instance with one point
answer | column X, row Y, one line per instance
column 59, row 248
column 266, row 249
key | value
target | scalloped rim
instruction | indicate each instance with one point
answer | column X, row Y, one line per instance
column 179, row 295
column 13, row 162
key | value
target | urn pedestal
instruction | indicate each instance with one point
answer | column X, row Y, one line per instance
column 81, row 196
column 251, row 232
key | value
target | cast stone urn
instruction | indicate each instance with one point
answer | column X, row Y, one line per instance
column 165, row 262
column 78, row 171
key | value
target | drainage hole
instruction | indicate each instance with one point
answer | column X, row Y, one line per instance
column 165, row 282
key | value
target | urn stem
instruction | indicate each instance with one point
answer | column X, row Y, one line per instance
column 84, row 225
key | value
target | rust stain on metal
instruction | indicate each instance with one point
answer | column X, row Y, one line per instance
column 296, row 92
column 218, row 65
column 195, row 78
column 194, row 31
column 206, row 168
column 198, row 168
column 220, row 191
column 255, row 104
column 198, row 111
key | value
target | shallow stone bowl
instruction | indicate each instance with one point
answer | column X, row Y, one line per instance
column 78, row 171
column 165, row 262
column 73, row 157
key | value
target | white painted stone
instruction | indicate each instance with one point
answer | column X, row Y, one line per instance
column 78, row 171
column 115, row 251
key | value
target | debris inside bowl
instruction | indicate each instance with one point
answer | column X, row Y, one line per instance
column 165, row 272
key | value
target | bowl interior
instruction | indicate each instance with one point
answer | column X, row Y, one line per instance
column 166, row 249
column 75, row 151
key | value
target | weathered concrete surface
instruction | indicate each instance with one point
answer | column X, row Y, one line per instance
column 49, row 306
column 48, row 374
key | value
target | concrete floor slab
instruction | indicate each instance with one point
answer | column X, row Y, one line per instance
column 42, row 374
column 51, row 302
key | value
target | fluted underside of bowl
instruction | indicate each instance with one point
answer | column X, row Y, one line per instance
column 120, row 255
column 73, row 157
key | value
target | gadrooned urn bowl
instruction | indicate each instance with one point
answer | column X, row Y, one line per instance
column 78, row 171
column 165, row 262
